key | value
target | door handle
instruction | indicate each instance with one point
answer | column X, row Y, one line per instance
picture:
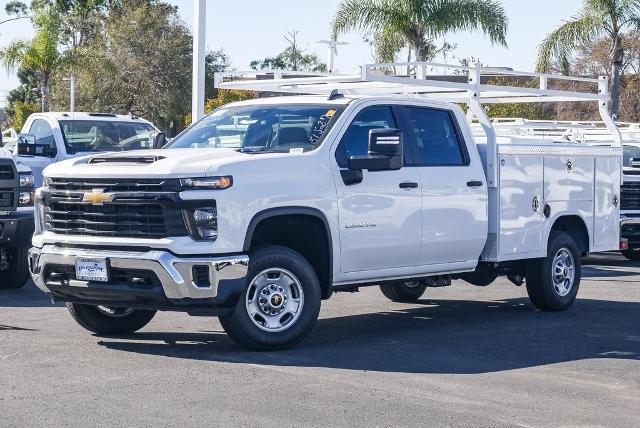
column 474, row 183
column 408, row 185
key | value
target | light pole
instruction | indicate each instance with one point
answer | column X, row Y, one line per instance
column 72, row 90
column 332, row 52
column 199, row 31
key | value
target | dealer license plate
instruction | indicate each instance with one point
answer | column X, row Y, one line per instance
column 88, row 269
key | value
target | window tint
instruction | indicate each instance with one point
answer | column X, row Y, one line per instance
column 42, row 131
column 355, row 141
column 436, row 138
column 630, row 153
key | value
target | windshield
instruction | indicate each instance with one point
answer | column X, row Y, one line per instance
column 629, row 153
column 273, row 128
column 105, row 136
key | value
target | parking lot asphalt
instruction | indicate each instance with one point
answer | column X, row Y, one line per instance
column 462, row 356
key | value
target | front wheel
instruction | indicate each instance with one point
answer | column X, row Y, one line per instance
column 553, row 282
column 110, row 320
column 13, row 268
column 404, row 291
column 280, row 304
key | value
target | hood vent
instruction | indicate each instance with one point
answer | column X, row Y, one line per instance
column 126, row 159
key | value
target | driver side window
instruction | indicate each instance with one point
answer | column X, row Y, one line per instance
column 355, row 141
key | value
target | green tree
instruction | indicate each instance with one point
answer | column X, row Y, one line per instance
column 141, row 64
column 214, row 62
column 292, row 58
column 40, row 54
column 421, row 22
column 597, row 19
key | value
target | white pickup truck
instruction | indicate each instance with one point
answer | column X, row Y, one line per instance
column 264, row 208
column 60, row 135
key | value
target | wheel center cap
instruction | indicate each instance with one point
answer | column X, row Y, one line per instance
column 565, row 272
column 276, row 300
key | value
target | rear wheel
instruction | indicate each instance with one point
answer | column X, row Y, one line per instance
column 110, row 320
column 553, row 282
column 14, row 273
column 280, row 304
column 631, row 254
column 404, row 291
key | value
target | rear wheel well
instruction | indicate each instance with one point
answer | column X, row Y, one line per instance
column 305, row 233
column 575, row 227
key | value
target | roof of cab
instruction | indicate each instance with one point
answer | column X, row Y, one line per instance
column 107, row 117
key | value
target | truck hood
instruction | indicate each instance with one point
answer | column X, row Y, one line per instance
column 146, row 163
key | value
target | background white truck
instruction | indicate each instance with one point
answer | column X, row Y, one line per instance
column 16, row 220
column 60, row 135
column 265, row 207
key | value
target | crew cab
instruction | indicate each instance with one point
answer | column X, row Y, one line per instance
column 61, row 135
column 265, row 207
column 16, row 220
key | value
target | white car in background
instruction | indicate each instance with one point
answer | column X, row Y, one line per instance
column 59, row 136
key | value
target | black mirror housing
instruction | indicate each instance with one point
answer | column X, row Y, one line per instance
column 28, row 146
column 159, row 140
column 385, row 152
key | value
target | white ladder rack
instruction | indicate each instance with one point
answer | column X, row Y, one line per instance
column 459, row 84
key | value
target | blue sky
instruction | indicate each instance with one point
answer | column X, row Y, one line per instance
column 254, row 29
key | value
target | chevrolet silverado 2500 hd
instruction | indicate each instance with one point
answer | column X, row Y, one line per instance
column 263, row 208
column 16, row 220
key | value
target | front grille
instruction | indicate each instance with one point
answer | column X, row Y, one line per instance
column 114, row 185
column 138, row 213
column 630, row 196
column 7, row 172
column 7, row 199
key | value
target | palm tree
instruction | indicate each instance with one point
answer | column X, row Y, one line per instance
column 40, row 54
column 421, row 21
column 597, row 19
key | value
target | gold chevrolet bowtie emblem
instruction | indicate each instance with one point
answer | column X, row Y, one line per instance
column 97, row 197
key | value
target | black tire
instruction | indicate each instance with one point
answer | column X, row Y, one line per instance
column 99, row 322
column 404, row 291
column 18, row 272
column 631, row 254
column 544, row 293
column 244, row 329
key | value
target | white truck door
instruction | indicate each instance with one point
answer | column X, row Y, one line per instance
column 44, row 134
column 454, row 189
column 379, row 217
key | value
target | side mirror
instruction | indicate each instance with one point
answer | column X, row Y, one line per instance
column 385, row 152
column 28, row 145
column 159, row 140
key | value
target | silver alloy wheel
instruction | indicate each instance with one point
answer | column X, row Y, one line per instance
column 115, row 312
column 563, row 273
column 274, row 300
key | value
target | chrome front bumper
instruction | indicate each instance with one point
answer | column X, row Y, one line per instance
column 175, row 273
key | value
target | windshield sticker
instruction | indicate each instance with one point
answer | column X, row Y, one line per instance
column 296, row 150
column 319, row 127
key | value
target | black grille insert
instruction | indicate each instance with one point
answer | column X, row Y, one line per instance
column 135, row 211
column 201, row 276
column 7, row 172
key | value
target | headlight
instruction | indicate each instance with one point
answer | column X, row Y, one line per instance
column 26, row 197
column 204, row 223
column 210, row 183
column 26, row 179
